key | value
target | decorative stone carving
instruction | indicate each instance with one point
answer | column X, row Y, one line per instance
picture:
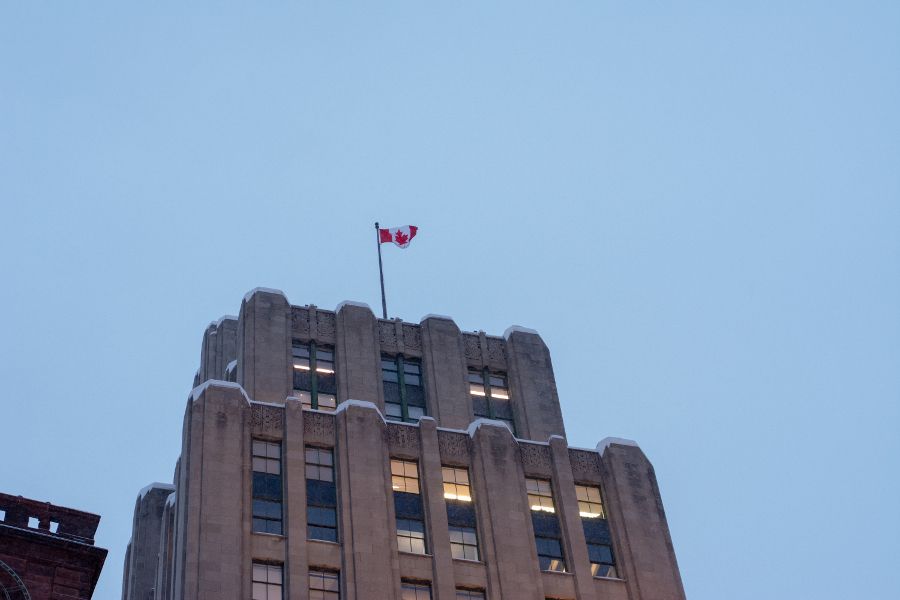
column 300, row 325
column 318, row 427
column 325, row 324
column 387, row 336
column 535, row 458
column 473, row 346
column 585, row 465
column 267, row 419
column 454, row 447
column 412, row 337
column 402, row 438
column 496, row 350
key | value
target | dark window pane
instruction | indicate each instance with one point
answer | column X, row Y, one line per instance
column 321, row 493
column 548, row 547
column 321, row 533
column 302, row 380
column 415, row 396
column 502, row 409
column 327, row 383
column 480, row 406
column 596, row 531
column 266, row 486
column 391, row 392
column 324, row 517
column 600, row 554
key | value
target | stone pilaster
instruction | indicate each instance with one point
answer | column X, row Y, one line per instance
column 444, row 362
column 264, row 346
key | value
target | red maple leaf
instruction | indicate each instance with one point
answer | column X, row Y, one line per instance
column 400, row 237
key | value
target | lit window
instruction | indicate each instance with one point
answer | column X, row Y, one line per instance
column 456, row 484
column 463, row 542
column 321, row 495
column 540, row 497
column 589, row 503
column 324, row 585
column 411, row 536
column 404, row 476
column 490, row 396
column 314, row 379
column 464, row 594
column 267, row 489
column 596, row 531
column 404, row 393
column 415, row 591
column 267, row 582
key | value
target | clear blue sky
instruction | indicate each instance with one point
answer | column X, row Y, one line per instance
column 698, row 206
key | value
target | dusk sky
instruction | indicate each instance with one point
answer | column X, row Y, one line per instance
column 697, row 205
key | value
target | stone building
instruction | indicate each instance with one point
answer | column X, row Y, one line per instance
column 334, row 455
column 47, row 552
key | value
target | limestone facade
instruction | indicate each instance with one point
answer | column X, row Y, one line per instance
column 224, row 530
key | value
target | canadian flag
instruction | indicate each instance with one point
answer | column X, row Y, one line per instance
column 401, row 236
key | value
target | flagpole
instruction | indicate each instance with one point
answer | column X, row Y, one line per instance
column 380, row 270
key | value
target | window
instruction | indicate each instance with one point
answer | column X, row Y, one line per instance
column 490, row 396
column 547, row 533
column 267, row 581
column 460, row 513
column 456, row 484
column 404, row 394
column 596, row 531
column 267, row 499
column 321, row 495
column 408, row 507
column 463, row 542
column 314, row 380
column 411, row 536
column 324, row 585
column 319, row 464
column 589, row 503
column 415, row 591
column 464, row 594
column 539, row 495
column 602, row 563
column 405, row 476
column 550, row 554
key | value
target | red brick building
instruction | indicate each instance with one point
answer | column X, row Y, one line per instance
column 47, row 552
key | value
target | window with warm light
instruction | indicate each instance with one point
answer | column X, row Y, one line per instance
column 405, row 476
column 408, row 507
column 596, row 531
column 314, row 376
column 540, row 496
column 490, row 396
column 456, row 484
column 590, row 504
column 547, row 532
column 460, row 513
column 404, row 393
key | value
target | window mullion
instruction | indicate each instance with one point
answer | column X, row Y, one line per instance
column 486, row 374
column 313, row 377
column 404, row 410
